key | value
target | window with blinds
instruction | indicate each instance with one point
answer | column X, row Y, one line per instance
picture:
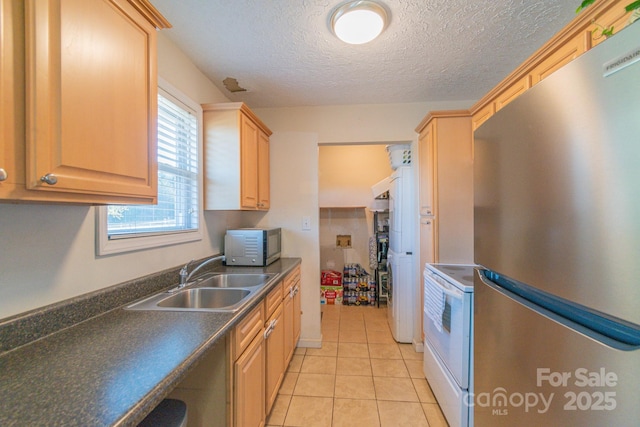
column 177, row 208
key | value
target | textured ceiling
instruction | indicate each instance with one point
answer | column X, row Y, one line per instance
column 284, row 54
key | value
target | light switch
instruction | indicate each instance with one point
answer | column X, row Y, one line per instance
column 306, row 223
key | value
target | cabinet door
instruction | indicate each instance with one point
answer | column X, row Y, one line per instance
column 274, row 344
column 264, row 183
column 248, row 163
column 512, row 92
column 560, row 57
column 91, row 94
column 249, row 370
column 426, row 150
column 427, row 241
column 287, row 309
column 11, row 83
column 615, row 16
column 482, row 115
column 297, row 310
column 427, row 251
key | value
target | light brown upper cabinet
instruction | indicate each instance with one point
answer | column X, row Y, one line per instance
column 236, row 145
column 79, row 96
column 559, row 58
column 446, row 186
column 512, row 92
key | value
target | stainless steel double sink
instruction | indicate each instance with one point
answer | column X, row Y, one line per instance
column 211, row 292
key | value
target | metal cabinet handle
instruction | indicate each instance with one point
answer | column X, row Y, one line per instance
column 50, row 179
column 3, row 175
column 270, row 328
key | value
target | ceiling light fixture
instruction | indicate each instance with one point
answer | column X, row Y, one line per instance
column 359, row 22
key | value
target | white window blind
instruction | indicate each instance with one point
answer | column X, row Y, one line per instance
column 177, row 208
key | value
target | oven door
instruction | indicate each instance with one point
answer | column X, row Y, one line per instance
column 449, row 336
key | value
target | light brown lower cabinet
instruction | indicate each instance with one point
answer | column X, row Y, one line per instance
column 287, row 317
column 297, row 307
column 282, row 331
column 249, row 382
column 274, row 346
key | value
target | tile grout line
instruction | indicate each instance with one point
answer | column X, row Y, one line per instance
column 340, row 322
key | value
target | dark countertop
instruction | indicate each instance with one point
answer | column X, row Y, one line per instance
column 113, row 369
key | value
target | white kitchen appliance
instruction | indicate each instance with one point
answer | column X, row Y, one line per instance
column 252, row 246
column 399, row 300
column 401, row 226
column 402, row 283
column 448, row 346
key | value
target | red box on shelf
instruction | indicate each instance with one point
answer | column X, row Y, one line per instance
column 330, row 278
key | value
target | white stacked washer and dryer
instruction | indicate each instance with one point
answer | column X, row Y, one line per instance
column 400, row 257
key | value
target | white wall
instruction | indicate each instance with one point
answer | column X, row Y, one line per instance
column 47, row 252
column 355, row 124
column 294, row 195
column 347, row 173
column 355, row 222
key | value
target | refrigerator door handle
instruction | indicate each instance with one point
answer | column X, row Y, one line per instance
column 608, row 330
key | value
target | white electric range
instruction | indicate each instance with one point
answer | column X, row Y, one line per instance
column 448, row 346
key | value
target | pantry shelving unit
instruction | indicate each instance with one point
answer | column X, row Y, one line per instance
column 381, row 233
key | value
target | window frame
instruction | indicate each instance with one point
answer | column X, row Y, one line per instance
column 106, row 246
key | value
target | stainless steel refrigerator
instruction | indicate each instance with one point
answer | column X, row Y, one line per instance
column 557, row 232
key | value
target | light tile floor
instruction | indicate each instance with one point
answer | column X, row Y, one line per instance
column 360, row 377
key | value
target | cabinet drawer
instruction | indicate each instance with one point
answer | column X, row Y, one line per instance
column 290, row 282
column 247, row 329
column 273, row 299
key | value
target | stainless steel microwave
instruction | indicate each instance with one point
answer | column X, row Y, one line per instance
column 252, row 246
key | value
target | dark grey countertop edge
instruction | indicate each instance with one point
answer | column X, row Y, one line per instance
column 90, row 307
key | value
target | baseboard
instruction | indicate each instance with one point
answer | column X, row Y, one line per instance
column 418, row 346
column 310, row 343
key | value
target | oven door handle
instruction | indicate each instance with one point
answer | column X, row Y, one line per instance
column 452, row 293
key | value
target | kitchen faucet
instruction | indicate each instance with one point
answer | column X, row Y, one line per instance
column 184, row 271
